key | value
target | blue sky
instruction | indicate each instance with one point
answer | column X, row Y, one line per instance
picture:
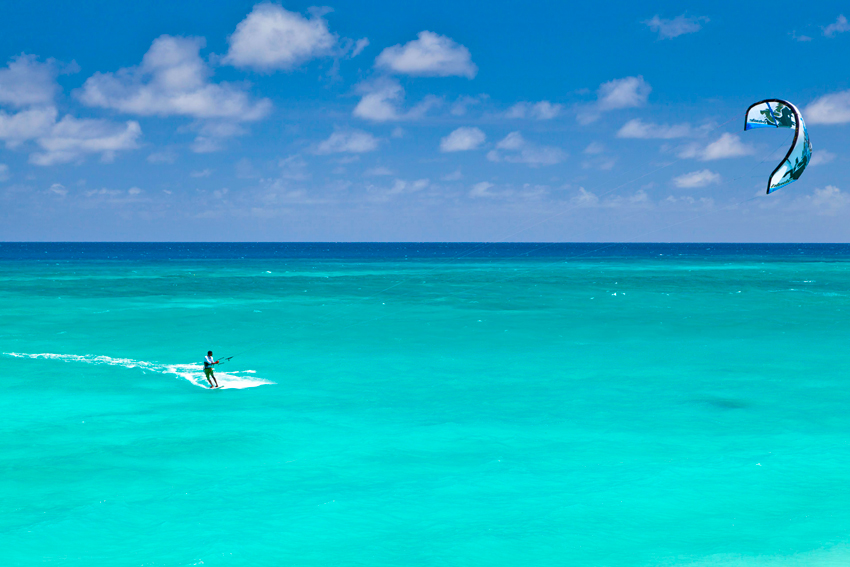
column 437, row 121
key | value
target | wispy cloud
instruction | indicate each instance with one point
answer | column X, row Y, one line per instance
column 727, row 146
column 430, row 55
column 680, row 25
column 513, row 148
column 696, row 179
column 629, row 92
column 637, row 128
column 821, row 157
column 830, row 109
column 839, row 26
column 543, row 110
column 348, row 141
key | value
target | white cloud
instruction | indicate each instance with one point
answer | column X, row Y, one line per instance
column 166, row 156
column 25, row 81
column 348, row 141
column 585, row 198
column 482, row 190
column 680, row 25
column 462, row 104
column 696, row 179
column 513, row 148
column 58, row 189
column 134, row 191
column 594, row 148
column 454, row 176
column 543, row 110
column 628, row 92
column 637, row 128
column 173, row 80
column 431, row 55
column 727, row 146
column 359, row 46
column 827, row 201
column 830, row 109
column 26, row 125
column 201, row 173
column 212, row 135
column 378, row 171
column 381, row 102
column 796, row 37
column 821, row 157
column 4, row 172
column 271, row 38
column 462, row 139
column 839, row 26
column 71, row 139
column 400, row 186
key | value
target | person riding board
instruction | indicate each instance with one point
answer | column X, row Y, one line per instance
column 209, row 362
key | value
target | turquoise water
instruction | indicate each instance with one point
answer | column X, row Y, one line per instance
column 627, row 405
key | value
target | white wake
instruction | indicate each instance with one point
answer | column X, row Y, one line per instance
column 194, row 373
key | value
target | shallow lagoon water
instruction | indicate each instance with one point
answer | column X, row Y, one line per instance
column 425, row 404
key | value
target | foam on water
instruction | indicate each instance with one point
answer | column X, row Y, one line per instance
column 194, row 373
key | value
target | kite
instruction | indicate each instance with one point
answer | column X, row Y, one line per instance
column 775, row 113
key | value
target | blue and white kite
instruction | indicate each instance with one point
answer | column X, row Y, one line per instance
column 775, row 113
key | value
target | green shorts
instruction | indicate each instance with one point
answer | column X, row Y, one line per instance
column 209, row 372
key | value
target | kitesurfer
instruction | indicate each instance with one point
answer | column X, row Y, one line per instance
column 209, row 362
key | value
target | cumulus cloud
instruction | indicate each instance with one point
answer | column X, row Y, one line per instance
column 172, row 80
column 431, row 55
column 26, row 125
column 272, row 38
column 513, row 148
column 543, row 110
column 839, row 26
column 637, row 128
column 830, row 109
column 462, row 139
column 680, row 25
column 628, row 92
column 381, row 102
column 71, row 139
column 26, row 81
column 821, row 157
column 348, row 141
column 201, row 173
column 4, row 172
column 727, row 146
column 696, row 179
column 400, row 186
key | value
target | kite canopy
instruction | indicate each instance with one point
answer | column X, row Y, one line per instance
column 775, row 113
